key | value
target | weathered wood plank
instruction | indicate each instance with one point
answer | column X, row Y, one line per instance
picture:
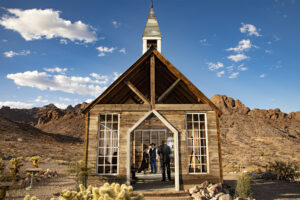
column 152, row 80
column 137, row 92
column 120, row 107
column 168, row 91
column 183, row 107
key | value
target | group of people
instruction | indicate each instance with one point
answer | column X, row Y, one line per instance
column 152, row 154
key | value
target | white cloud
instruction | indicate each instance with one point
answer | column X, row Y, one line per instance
column 56, row 69
column 116, row 24
column 242, row 68
column 61, row 105
column 268, row 51
column 249, row 29
column 34, row 24
column 215, row 66
column 123, row 50
column 238, row 57
column 10, row 54
column 69, row 84
column 242, row 46
column 63, row 41
column 276, row 38
column 230, row 68
column 262, row 76
column 40, row 99
column 102, row 50
column 89, row 100
column 64, row 99
column 15, row 104
column 116, row 75
column 204, row 42
column 101, row 79
column 4, row 40
column 219, row 74
column 234, row 75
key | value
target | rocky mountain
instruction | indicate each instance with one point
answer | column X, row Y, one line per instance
column 256, row 137
column 250, row 137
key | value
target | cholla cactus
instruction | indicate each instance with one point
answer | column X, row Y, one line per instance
column 27, row 197
column 16, row 166
column 2, row 165
column 35, row 161
column 106, row 192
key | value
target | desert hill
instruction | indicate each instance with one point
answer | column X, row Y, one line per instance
column 249, row 137
column 21, row 139
column 256, row 137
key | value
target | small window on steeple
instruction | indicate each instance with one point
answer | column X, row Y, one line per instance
column 151, row 43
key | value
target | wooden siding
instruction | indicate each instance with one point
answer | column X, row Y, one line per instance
column 178, row 120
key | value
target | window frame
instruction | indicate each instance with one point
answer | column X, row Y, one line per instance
column 98, row 140
column 206, row 143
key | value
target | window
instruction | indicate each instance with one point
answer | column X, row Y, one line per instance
column 196, row 143
column 108, row 142
column 151, row 43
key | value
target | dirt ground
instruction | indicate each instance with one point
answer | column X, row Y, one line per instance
column 262, row 190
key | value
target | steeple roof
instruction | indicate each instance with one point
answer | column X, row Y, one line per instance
column 152, row 28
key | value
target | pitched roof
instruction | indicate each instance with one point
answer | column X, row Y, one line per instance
column 168, row 65
column 152, row 28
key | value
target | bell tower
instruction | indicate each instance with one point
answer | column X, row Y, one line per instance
column 151, row 35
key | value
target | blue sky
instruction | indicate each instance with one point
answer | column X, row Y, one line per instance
column 66, row 52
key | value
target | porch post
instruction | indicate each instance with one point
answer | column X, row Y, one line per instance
column 176, row 152
column 128, row 159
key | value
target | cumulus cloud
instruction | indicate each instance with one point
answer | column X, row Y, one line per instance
column 215, row 66
column 262, row 76
column 89, row 100
column 123, row 50
column 242, row 46
column 64, row 99
column 234, row 75
column 249, row 29
column 34, row 24
column 40, row 99
column 101, row 79
column 204, row 42
column 267, row 51
column 242, row 68
column 116, row 75
column 10, row 54
column 63, row 41
column 15, row 104
column 219, row 74
column 103, row 50
column 69, row 84
column 116, row 24
column 238, row 57
column 56, row 69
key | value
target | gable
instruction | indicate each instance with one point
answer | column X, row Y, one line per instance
column 133, row 86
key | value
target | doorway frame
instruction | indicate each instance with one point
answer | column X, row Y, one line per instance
column 176, row 145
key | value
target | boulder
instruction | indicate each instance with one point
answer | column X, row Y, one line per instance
column 194, row 189
column 225, row 197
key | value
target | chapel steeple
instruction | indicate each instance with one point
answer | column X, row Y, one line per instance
column 151, row 35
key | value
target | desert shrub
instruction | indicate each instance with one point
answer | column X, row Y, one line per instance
column 243, row 186
column 35, row 161
column 80, row 172
column 286, row 171
column 16, row 164
column 114, row 191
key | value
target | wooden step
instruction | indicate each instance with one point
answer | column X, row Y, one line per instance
column 165, row 194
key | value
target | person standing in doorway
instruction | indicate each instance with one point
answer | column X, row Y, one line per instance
column 153, row 155
column 164, row 154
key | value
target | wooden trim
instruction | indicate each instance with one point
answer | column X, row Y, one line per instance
column 137, row 92
column 86, row 141
column 122, row 107
column 187, row 107
column 119, row 80
column 219, row 148
column 152, row 79
column 168, row 90
column 189, row 84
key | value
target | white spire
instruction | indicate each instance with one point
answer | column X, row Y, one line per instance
column 151, row 35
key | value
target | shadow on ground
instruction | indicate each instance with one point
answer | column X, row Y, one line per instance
column 270, row 190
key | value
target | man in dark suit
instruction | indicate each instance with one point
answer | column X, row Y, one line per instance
column 164, row 154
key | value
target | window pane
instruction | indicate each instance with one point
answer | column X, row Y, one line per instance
column 108, row 144
column 196, row 143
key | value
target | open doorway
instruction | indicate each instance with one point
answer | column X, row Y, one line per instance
column 150, row 131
